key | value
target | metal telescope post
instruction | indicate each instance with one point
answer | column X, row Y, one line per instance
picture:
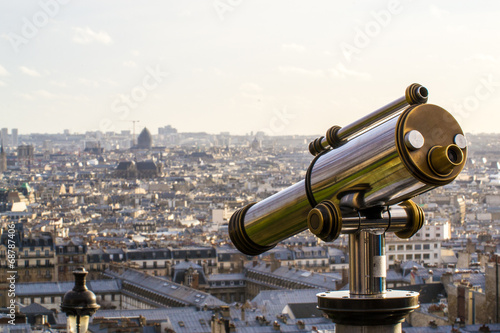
column 360, row 183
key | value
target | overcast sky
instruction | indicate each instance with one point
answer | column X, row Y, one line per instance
column 242, row 66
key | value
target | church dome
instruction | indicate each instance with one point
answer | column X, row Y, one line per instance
column 145, row 140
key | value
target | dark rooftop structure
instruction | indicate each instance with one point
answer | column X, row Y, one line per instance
column 145, row 140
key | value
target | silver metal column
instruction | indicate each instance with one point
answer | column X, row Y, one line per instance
column 367, row 307
column 367, row 262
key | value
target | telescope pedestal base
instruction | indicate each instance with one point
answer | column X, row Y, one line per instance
column 371, row 329
column 368, row 313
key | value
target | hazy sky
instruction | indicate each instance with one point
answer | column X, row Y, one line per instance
column 282, row 67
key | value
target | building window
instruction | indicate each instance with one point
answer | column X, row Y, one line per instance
column 401, row 256
column 436, row 246
column 418, row 256
column 401, row 247
column 392, row 248
column 391, row 257
column 418, row 246
column 426, row 256
column 427, row 235
column 427, row 246
column 438, row 235
column 409, row 247
column 47, row 253
column 409, row 257
column 435, row 255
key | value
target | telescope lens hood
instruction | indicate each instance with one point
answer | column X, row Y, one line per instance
column 239, row 237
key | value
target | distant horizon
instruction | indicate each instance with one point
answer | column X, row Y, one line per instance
column 209, row 133
column 281, row 67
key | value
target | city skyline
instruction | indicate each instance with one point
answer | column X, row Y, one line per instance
column 240, row 67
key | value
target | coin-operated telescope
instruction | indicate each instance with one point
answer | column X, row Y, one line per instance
column 360, row 183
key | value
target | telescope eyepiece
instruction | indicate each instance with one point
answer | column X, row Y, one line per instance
column 416, row 94
column 452, row 156
column 442, row 160
column 422, row 92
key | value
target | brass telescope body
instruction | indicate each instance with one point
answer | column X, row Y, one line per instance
column 397, row 152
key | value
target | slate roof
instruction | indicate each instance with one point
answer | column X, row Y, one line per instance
column 447, row 329
column 226, row 277
column 146, row 165
column 393, row 276
column 272, row 302
column 408, row 266
column 305, row 310
column 151, row 315
column 191, row 322
column 35, row 289
column 428, row 292
column 307, row 278
column 35, row 308
column 183, row 294
column 124, row 165
column 148, row 254
column 181, row 268
column 448, row 256
column 280, row 253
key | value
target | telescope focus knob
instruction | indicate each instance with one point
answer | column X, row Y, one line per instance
column 325, row 221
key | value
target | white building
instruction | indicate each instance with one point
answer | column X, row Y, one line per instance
column 437, row 230
column 426, row 252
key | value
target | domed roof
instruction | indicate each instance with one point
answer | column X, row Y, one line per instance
column 145, row 140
